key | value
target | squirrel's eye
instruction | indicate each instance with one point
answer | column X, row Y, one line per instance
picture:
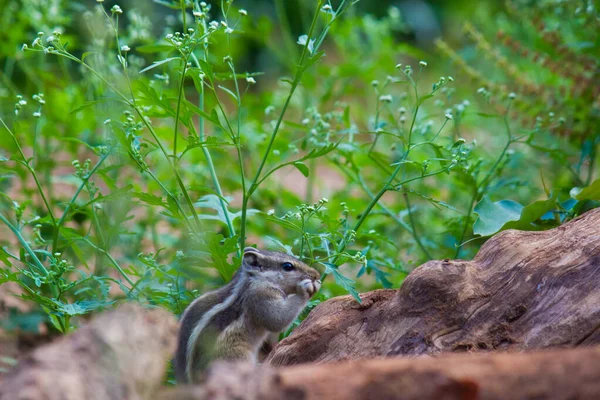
column 287, row 266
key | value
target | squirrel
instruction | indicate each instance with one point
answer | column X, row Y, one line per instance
column 264, row 296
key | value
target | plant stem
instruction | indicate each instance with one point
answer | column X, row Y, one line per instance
column 33, row 174
column 414, row 228
column 482, row 186
column 179, row 97
column 77, row 192
column 295, row 83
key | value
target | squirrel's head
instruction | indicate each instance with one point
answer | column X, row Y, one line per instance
column 282, row 269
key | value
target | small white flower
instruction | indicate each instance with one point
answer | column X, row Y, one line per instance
column 422, row 63
column 305, row 121
column 125, row 48
column 250, row 80
column 243, row 12
column 512, row 95
column 37, row 114
column 449, row 116
column 271, row 212
column 398, row 66
column 99, row 1
column 386, row 98
column 198, row 14
column 229, row 31
column 116, row 9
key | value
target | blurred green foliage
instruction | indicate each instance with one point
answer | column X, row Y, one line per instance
column 144, row 145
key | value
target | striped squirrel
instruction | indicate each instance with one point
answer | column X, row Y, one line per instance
column 265, row 295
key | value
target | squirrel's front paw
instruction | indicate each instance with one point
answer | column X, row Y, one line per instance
column 307, row 288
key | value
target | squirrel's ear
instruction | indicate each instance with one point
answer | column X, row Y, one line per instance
column 251, row 259
column 251, row 249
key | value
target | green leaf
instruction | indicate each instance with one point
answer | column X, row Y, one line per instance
column 229, row 76
column 230, row 93
column 277, row 242
column 484, row 115
column 94, row 102
column 423, row 99
column 214, row 202
column 159, row 63
column 81, row 307
column 207, row 69
column 302, row 168
column 591, row 192
column 86, row 54
column 154, row 48
column 219, row 248
column 150, row 199
column 508, row 214
column 493, row 216
column 345, row 282
column 285, row 223
column 209, row 117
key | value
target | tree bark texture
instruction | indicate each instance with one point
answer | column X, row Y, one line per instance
column 523, row 291
column 563, row 374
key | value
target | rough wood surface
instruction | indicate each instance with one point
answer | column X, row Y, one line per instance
column 120, row 354
column 558, row 374
column 523, row 290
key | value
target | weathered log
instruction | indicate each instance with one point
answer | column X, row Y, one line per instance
column 557, row 374
column 120, row 354
column 523, row 291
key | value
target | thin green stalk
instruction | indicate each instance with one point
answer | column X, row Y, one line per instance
column 358, row 178
column 183, row 14
column 73, row 199
column 36, row 261
column 111, row 259
column 33, row 174
column 411, row 218
column 482, row 186
column 295, row 83
column 179, row 98
column 206, row 151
